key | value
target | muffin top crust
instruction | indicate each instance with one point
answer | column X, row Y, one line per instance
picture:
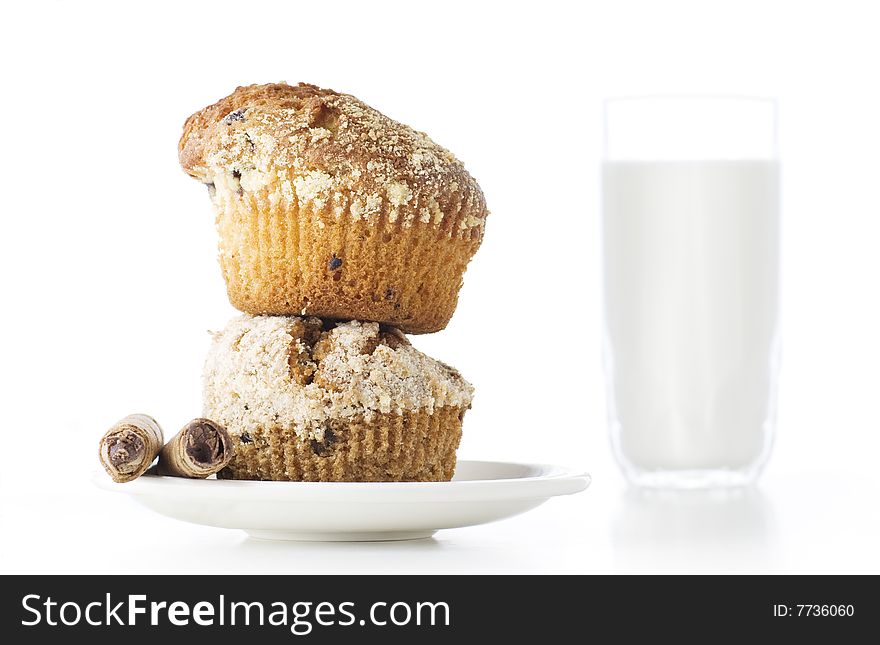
column 314, row 146
column 299, row 373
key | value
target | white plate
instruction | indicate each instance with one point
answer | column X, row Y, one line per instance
column 482, row 491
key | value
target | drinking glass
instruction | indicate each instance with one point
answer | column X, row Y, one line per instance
column 691, row 287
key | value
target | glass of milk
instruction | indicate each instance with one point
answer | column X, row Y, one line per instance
column 691, row 287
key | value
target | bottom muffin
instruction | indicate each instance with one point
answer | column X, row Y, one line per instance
column 311, row 400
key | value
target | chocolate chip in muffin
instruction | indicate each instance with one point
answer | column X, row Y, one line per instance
column 393, row 338
column 325, row 446
column 308, row 330
column 238, row 115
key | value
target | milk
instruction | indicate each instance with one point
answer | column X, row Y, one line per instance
column 691, row 257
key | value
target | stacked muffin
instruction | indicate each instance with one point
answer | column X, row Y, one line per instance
column 340, row 230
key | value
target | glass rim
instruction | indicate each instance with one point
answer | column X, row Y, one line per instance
column 728, row 98
column 638, row 108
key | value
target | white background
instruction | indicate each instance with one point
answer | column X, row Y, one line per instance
column 109, row 277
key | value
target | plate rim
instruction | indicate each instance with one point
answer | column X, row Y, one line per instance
column 550, row 481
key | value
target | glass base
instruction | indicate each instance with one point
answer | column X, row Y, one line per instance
column 691, row 479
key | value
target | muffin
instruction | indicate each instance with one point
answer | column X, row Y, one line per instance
column 326, row 207
column 311, row 400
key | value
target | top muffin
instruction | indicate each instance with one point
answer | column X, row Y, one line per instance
column 327, row 207
column 333, row 142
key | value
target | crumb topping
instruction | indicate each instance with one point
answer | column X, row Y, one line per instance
column 313, row 145
column 300, row 373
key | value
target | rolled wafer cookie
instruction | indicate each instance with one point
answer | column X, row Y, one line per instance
column 199, row 450
column 130, row 446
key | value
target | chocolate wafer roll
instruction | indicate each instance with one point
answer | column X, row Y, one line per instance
column 130, row 446
column 200, row 449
